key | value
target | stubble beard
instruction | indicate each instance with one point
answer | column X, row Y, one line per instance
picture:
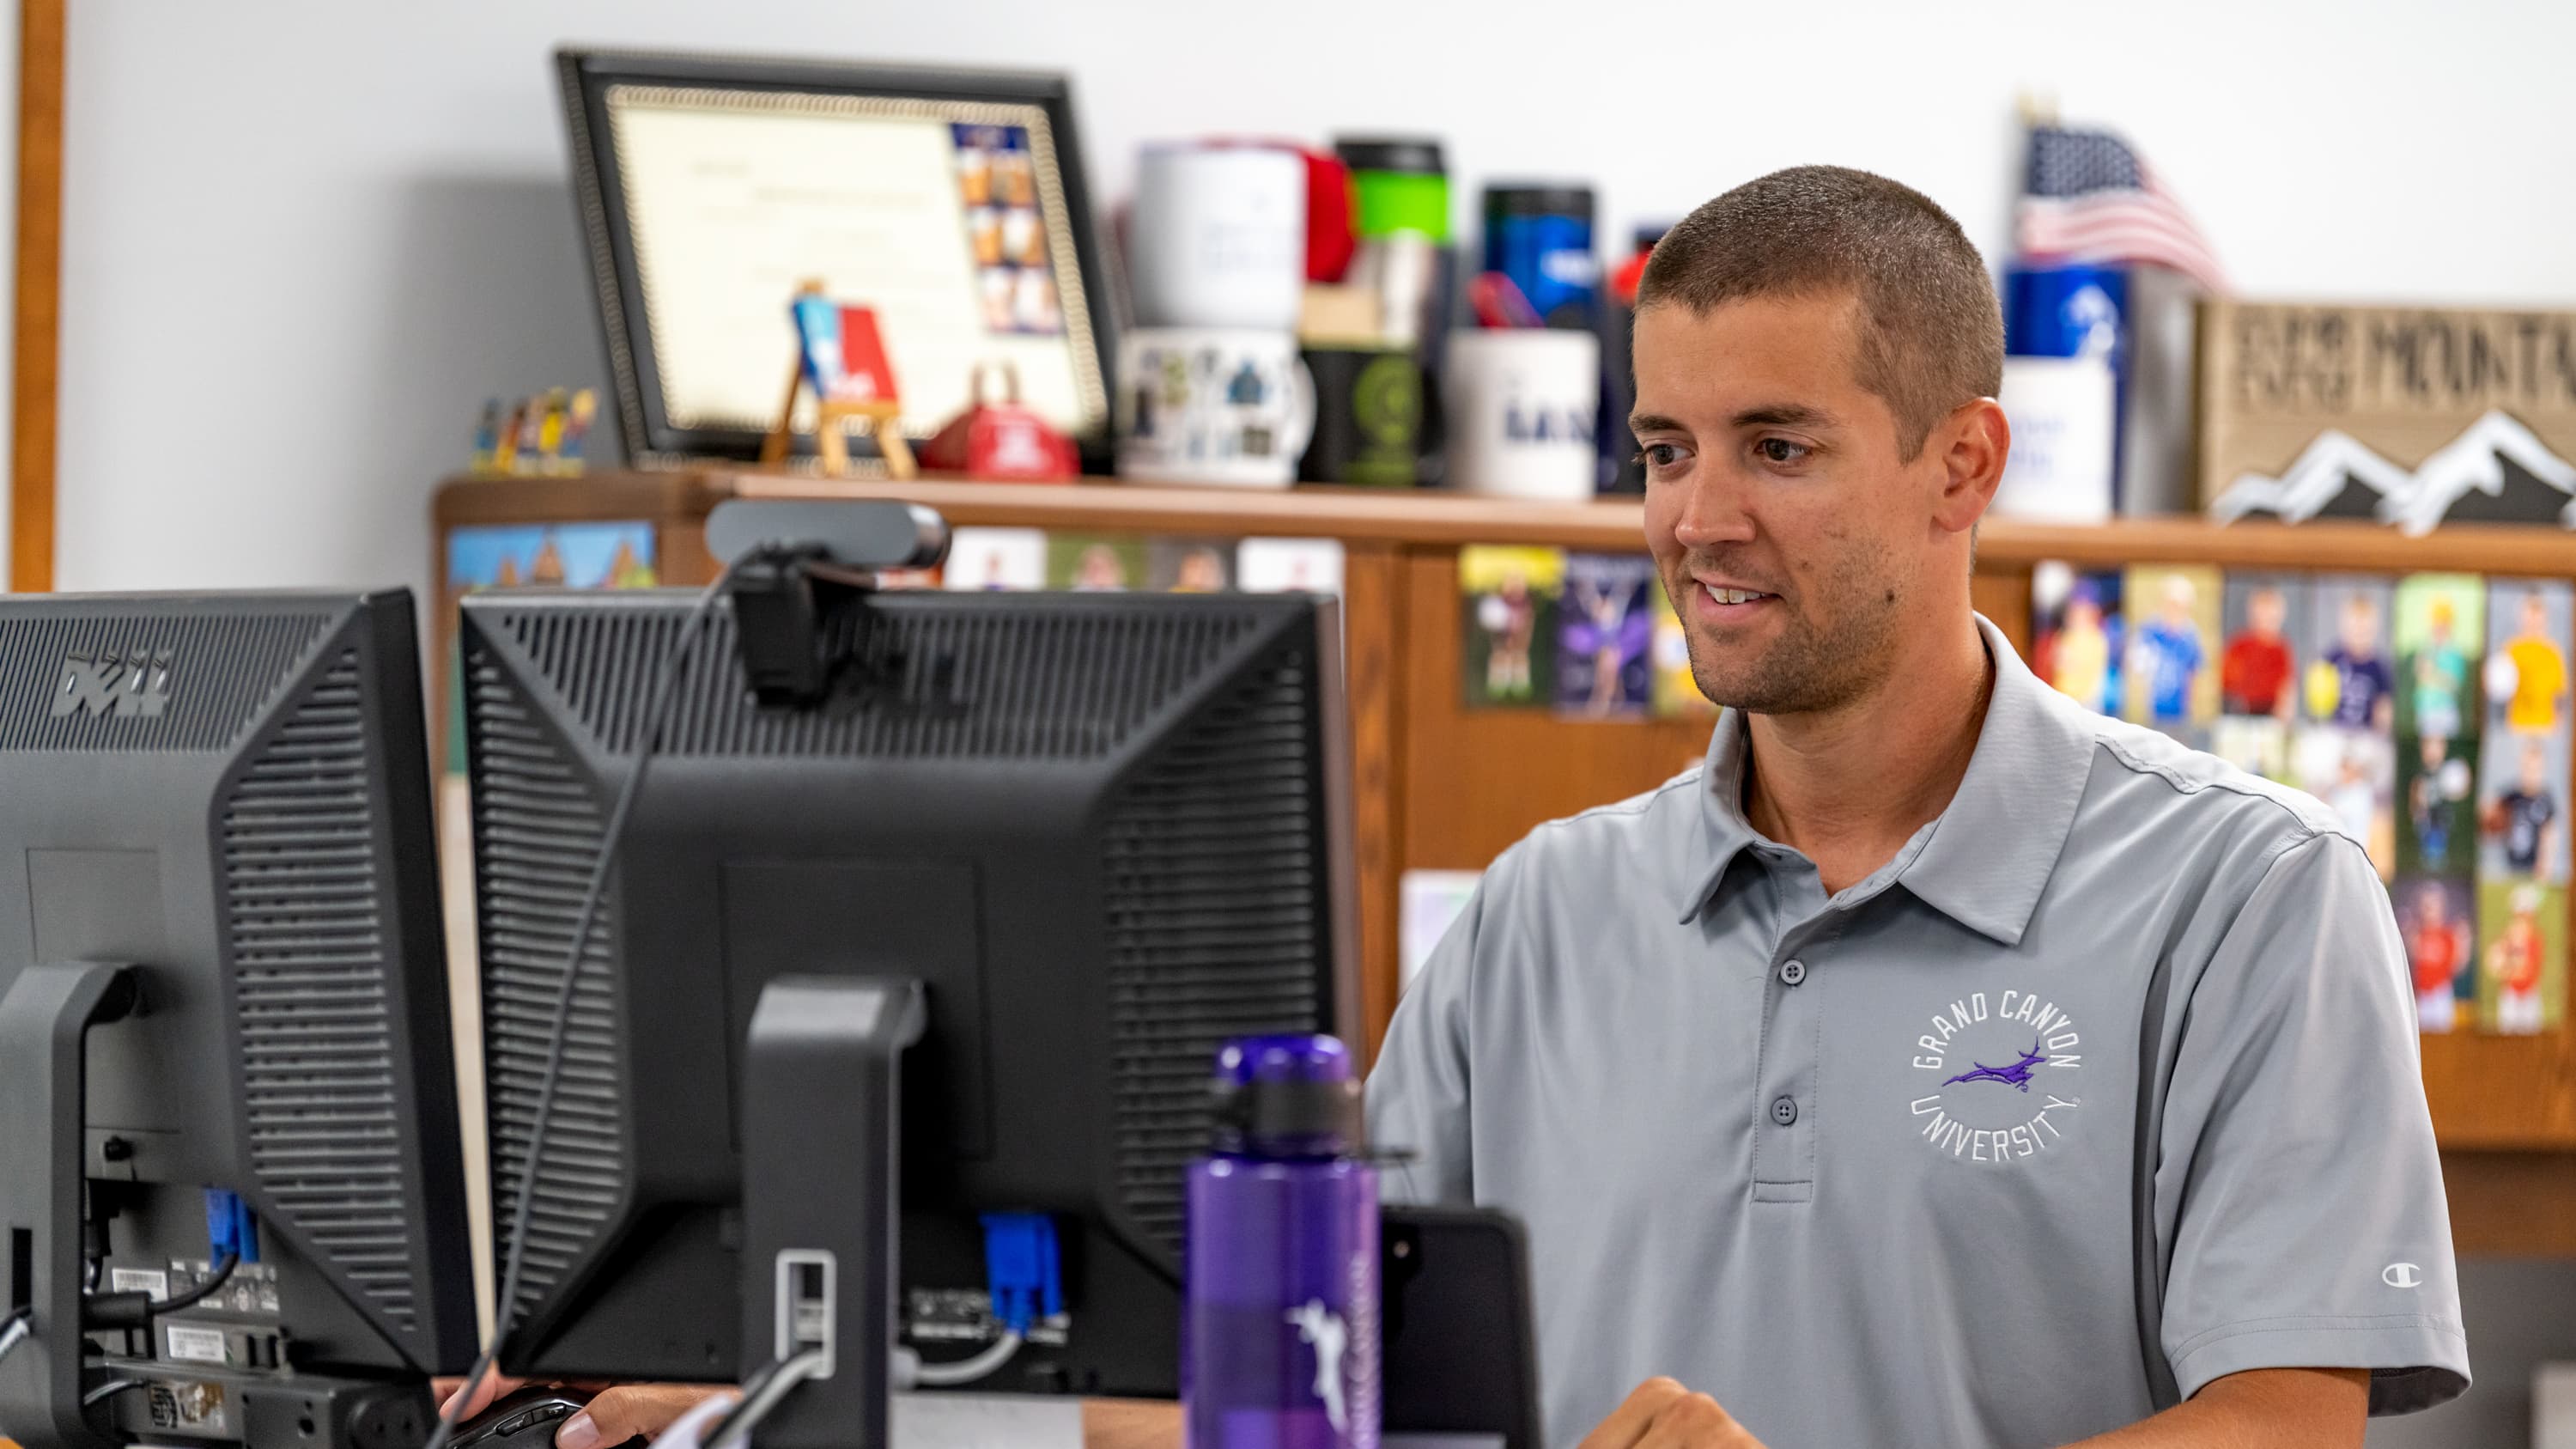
column 1813, row 667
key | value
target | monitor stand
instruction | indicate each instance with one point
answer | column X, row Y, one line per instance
column 820, row 1137
column 44, row 1029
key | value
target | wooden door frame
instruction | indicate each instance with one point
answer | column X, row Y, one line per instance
column 35, row 346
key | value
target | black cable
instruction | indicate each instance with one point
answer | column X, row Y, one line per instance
column 137, row 1310
column 505, row 1307
column 214, row 1283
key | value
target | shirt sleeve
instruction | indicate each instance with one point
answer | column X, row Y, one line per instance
column 1418, row 1093
column 2298, row 1183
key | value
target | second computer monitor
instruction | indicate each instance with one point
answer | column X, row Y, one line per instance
column 1107, row 831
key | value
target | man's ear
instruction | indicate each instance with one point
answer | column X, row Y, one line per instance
column 1973, row 443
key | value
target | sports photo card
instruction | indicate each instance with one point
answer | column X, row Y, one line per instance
column 2171, row 678
column 2434, row 920
column 1507, row 607
column 2522, row 806
column 2258, row 672
column 2343, row 746
column 2075, row 633
column 1605, row 636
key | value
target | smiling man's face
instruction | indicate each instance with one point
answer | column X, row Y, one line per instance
column 1789, row 531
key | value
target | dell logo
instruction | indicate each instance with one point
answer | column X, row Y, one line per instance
column 2402, row 1275
column 131, row 685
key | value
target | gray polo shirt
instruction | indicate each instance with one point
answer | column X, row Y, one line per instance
column 2104, row 1087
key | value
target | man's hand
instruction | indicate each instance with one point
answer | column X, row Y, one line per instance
column 629, row 1411
column 490, row 1387
column 617, row 1413
column 1662, row 1414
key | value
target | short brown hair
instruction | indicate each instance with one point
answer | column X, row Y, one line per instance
column 1931, row 336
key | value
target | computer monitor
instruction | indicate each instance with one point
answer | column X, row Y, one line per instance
column 1105, row 830
column 216, row 866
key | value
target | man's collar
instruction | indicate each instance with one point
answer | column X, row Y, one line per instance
column 1991, row 852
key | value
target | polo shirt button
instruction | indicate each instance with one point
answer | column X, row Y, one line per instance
column 1792, row 972
column 1784, row 1110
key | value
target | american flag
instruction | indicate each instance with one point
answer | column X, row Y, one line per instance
column 2089, row 198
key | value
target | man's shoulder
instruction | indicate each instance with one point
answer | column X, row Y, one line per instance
column 1607, row 838
column 2163, row 792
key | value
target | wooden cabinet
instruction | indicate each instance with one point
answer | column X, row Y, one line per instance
column 1438, row 786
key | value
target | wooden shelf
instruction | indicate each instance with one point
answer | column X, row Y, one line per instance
column 465, row 502
column 1428, row 518
column 1433, row 518
column 2324, row 546
column 1394, row 516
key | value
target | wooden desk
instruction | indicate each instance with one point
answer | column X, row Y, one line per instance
column 1130, row 1424
column 1438, row 786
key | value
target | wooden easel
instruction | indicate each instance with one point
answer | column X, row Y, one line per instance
column 831, row 443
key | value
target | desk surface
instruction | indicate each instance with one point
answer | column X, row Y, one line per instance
column 1130, row 1424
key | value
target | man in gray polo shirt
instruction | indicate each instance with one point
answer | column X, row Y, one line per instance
column 1941, row 1064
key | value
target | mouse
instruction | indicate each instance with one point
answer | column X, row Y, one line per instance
column 524, row 1419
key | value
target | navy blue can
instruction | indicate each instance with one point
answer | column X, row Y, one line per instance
column 1541, row 238
column 2074, row 309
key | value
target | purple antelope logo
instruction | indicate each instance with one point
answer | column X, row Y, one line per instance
column 2016, row 1076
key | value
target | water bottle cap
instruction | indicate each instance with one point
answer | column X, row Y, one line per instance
column 1286, row 1096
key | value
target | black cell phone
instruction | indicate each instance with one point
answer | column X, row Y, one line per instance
column 1461, row 1343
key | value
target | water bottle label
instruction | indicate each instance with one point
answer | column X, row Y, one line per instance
column 1329, row 1334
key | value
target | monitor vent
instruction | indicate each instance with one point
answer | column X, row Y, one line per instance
column 135, row 682
column 1217, row 913
column 538, row 830
column 312, row 961
column 954, row 681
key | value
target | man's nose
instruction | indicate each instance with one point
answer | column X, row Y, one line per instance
column 1715, row 513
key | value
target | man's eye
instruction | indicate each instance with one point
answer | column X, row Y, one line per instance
column 1660, row 455
column 1780, row 450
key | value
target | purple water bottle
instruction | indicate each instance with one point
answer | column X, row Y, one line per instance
column 1279, row 1338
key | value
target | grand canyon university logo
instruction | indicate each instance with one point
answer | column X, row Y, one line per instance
column 2001, row 1077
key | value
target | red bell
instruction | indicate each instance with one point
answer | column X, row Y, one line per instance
column 1004, row 440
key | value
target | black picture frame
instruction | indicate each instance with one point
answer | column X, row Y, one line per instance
column 650, row 437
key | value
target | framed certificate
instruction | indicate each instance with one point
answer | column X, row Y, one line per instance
column 948, row 202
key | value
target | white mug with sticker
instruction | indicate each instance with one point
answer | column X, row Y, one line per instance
column 1212, row 405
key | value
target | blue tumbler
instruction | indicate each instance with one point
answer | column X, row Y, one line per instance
column 1541, row 237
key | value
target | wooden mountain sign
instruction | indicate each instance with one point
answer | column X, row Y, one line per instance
column 2408, row 415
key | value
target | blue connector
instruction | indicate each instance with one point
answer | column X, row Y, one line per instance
column 230, row 1229
column 1021, row 1269
column 223, row 1224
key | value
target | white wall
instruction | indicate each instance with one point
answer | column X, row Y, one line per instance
column 302, row 241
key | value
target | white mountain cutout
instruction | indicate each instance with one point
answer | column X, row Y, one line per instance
column 2415, row 499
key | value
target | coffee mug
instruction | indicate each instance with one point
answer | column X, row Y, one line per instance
column 1372, row 416
column 1212, row 405
column 1522, row 408
column 1217, row 237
